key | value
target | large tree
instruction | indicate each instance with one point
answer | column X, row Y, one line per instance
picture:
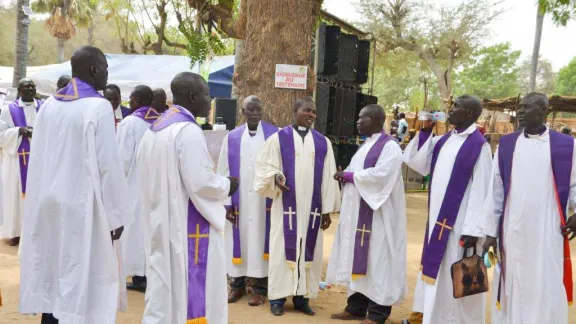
column 566, row 82
column 561, row 10
column 492, row 73
column 443, row 40
column 21, row 57
column 545, row 77
column 64, row 17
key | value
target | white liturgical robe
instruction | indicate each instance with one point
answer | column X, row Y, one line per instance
column 253, row 224
column 533, row 290
column 10, row 139
column 68, row 264
column 436, row 301
column 174, row 167
column 283, row 280
column 382, row 187
column 130, row 131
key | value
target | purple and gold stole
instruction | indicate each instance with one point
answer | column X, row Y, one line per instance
column 435, row 245
column 561, row 152
column 366, row 214
column 288, row 152
column 198, row 234
column 19, row 119
column 234, row 147
column 147, row 114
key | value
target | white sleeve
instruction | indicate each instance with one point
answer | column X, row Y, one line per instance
column 376, row 184
column 481, row 177
column 9, row 135
column 127, row 143
column 223, row 168
column 420, row 159
column 268, row 165
column 331, row 197
column 494, row 204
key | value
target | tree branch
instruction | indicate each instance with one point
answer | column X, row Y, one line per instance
column 173, row 44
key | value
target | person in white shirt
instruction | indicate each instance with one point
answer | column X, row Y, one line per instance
column 112, row 93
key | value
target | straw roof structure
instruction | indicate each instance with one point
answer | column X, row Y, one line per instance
column 557, row 103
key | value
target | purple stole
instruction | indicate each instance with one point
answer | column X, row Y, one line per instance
column 288, row 153
column 19, row 120
column 435, row 245
column 423, row 137
column 561, row 152
column 234, row 146
column 147, row 114
column 366, row 214
column 198, row 234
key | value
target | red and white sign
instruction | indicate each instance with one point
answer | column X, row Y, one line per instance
column 291, row 76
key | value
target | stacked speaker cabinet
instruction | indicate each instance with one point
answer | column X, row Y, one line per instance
column 328, row 46
column 363, row 61
column 344, row 112
column 225, row 109
column 325, row 96
column 347, row 57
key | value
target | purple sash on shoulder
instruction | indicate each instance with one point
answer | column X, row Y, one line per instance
column 366, row 214
column 198, row 233
column 423, row 136
column 435, row 245
column 234, row 147
column 287, row 150
column 147, row 114
column 76, row 89
column 19, row 119
column 561, row 153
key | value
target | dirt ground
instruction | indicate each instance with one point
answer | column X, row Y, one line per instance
column 329, row 301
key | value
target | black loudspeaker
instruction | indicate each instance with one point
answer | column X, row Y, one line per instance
column 328, row 44
column 225, row 109
column 344, row 111
column 370, row 100
column 347, row 57
column 325, row 96
column 363, row 61
column 343, row 154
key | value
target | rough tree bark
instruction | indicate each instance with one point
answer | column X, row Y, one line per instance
column 277, row 32
column 238, row 53
column 21, row 57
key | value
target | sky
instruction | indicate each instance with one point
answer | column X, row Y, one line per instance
column 516, row 25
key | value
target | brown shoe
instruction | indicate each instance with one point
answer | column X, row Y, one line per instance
column 235, row 295
column 257, row 300
column 13, row 242
column 345, row 316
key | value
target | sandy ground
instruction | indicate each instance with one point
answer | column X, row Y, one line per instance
column 329, row 301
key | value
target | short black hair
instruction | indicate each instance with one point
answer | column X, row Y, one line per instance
column 474, row 103
column 63, row 81
column 112, row 87
column 302, row 101
column 538, row 98
column 144, row 94
column 402, row 115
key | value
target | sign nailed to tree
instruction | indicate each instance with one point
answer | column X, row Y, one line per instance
column 291, row 76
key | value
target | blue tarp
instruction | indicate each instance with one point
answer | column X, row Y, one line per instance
column 220, row 76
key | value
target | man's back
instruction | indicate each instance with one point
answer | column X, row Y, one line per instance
column 78, row 194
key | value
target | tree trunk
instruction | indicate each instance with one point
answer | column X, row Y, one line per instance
column 536, row 50
column 269, row 46
column 61, row 50
column 90, row 40
column 21, row 58
column 238, row 53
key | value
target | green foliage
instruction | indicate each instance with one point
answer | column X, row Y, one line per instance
column 545, row 77
column 202, row 45
column 561, row 10
column 566, row 82
column 491, row 73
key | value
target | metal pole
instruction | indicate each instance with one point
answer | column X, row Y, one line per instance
column 373, row 66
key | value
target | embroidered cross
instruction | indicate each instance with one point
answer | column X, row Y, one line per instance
column 236, row 213
column 23, row 154
column 363, row 230
column 442, row 227
column 197, row 236
column 290, row 213
column 315, row 214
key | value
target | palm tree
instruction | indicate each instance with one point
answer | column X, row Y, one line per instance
column 65, row 16
column 21, row 59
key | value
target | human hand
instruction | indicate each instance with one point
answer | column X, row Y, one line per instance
column 490, row 242
column 339, row 176
column 468, row 241
column 280, row 182
column 25, row 131
column 230, row 215
column 570, row 227
column 234, row 183
column 326, row 221
column 117, row 233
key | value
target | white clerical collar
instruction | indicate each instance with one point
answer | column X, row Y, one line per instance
column 467, row 131
column 23, row 104
column 374, row 137
column 541, row 136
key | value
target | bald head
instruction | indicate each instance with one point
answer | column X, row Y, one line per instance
column 465, row 111
column 371, row 120
column 252, row 99
column 159, row 101
column 191, row 91
column 89, row 64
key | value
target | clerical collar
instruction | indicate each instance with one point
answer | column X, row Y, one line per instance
column 535, row 135
column 303, row 131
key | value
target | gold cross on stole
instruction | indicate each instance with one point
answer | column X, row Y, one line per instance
column 363, row 230
column 290, row 213
column 442, row 227
column 23, row 154
column 197, row 236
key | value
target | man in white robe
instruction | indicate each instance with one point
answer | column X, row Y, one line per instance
column 112, row 93
column 183, row 211
column 533, row 184
column 20, row 117
column 247, row 233
column 459, row 167
column 130, row 132
column 295, row 168
column 369, row 250
column 78, row 205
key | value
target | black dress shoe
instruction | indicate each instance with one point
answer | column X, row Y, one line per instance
column 137, row 286
column 277, row 309
column 306, row 309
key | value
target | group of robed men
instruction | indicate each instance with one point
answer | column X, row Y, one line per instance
column 78, row 202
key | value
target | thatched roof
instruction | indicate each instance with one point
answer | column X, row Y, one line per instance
column 557, row 103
